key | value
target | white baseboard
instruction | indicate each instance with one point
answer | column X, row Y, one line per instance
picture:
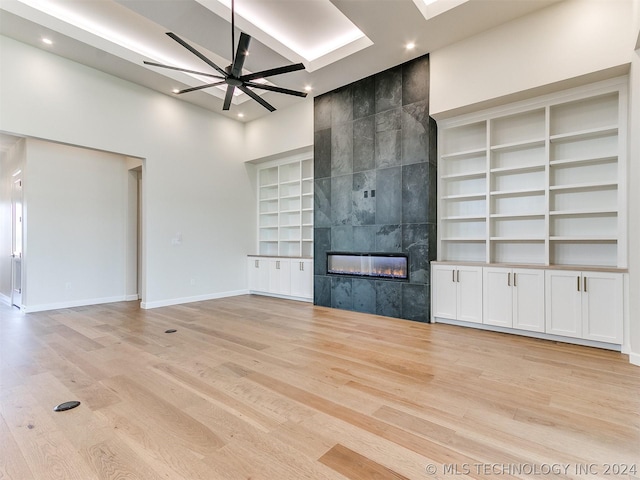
column 197, row 298
column 71, row 304
column 5, row 299
column 634, row 359
column 131, row 298
column 525, row 333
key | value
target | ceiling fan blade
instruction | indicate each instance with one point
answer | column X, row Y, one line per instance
column 241, row 54
column 153, row 64
column 200, row 87
column 228, row 97
column 258, row 99
column 271, row 88
column 197, row 53
column 274, row 71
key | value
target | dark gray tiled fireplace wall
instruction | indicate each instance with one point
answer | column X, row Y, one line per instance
column 376, row 134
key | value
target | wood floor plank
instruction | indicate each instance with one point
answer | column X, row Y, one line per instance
column 357, row 467
column 261, row 388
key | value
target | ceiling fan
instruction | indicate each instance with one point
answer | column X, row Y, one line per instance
column 232, row 75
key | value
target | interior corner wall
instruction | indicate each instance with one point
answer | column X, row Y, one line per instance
column 198, row 205
column 634, row 209
column 10, row 162
column 282, row 132
column 569, row 40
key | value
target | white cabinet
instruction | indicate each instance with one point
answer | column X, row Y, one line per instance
column 514, row 298
column 457, row 292
column 280, row 276
column 285, row 208
column 285, row 277
column 585, row 305
column 302, row 278
column 258, row 274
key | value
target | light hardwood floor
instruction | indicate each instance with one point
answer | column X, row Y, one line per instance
column 255, row 388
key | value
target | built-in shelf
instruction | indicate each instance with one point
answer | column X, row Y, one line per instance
column 584, row 134
column 462, row 154
column 517, row 215
column 462, row 218
column 518, row 145
column 285, row 208
column 524, row 191
column 587, row 160
column 604, row 211
column 584, row 186
column 462, row 176
column 537, row 182
column 519, row 169
column 468, row 196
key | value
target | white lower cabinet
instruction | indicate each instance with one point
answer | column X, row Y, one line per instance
column 457, row 292
column 302, row 278
column 281, row 276
column 258, row 274
column 513, row 298
column 585, row 305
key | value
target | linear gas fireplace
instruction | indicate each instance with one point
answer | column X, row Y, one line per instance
column 376, row 265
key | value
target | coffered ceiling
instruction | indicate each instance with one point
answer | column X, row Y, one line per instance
column 338, row 41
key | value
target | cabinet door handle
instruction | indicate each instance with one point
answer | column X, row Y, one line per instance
column 453, row 275
column 302, row 266
column 277, row 264
column 578, row 282
column 514, row 279
column 458, row 276
column 509, row 279
column 584, row 284
column 256, row 264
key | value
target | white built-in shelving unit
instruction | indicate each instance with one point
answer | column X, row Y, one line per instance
column 540, row 182
column 285, row 208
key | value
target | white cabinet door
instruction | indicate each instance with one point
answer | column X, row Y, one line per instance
column 563, row 303
column 585, row 305
column 444, row 288
column 279, row 276
column 497, row 301
column 469, row 286
column 302, row 278
column 258, row 273
column 528, row 299
column 602, row 296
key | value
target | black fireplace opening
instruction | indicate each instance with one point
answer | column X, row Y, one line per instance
column 393, row 266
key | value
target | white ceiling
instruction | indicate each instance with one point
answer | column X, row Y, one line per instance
column 339, row 41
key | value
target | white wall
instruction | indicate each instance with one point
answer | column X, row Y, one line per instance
column 75, row 217
column 634, row 208
column 567, row 40
column 12, row 161
column 289, row 130
column 198, row 205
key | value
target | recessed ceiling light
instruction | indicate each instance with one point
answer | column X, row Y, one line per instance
column 308, row 88
column 241, row 115
column 175, row 90
column 47, row 41
column 410, row 46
